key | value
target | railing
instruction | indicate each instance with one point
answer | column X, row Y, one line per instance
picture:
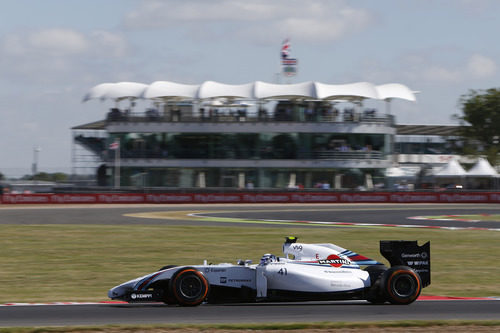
column 349, row 155
column 224, row 154
column 120, row 117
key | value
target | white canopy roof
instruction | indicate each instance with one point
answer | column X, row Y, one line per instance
column 255, row 90
column 265, row 90
column 97, row 91
column 116, row 91
column 123, row 90
column 482, row 168
column 452, row 169
column 168, row 89
column 395, row 90
column 211, row 89
column 353, row 91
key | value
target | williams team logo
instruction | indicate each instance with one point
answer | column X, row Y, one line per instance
column 334, row 261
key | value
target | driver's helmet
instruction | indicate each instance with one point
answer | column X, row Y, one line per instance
column 267, row 258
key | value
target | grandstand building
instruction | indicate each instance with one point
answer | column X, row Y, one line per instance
column 257, row 135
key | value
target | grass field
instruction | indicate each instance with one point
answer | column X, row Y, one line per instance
column 44, row 263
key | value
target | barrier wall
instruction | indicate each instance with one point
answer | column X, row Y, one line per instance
column 249, row 197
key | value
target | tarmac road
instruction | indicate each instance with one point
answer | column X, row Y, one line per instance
column 99, row 314
column 357, row 213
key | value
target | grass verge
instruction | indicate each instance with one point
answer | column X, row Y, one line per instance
column 44, row 263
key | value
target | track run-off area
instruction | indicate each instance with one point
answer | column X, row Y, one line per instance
column 437, row 216
column 346, row 216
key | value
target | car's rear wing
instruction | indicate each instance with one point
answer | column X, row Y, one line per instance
column 408, row 253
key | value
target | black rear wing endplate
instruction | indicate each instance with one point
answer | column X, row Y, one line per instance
column 408, row 253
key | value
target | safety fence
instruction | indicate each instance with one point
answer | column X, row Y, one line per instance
column 253, row 197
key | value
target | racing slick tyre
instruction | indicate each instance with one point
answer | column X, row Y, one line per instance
column 401, row 285
column 189, row 287
column 168, row 298
column 375, row 294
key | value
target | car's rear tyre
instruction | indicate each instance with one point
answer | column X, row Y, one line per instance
column 401, row 285
column 189, row 287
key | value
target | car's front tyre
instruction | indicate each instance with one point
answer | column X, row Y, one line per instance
column 189, row 287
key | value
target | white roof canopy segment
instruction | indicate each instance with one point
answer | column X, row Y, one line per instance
column 395, row 90
column 211, row 89
column 116, row 91
column 265, row 90
column 98, row 91
column 257, row 90
column 353, row 91
column 171, row 90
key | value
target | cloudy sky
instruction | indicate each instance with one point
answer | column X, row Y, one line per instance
column 53, row 51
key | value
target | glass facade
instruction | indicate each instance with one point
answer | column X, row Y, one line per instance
column 308, row 144
column 252, row 145
column 427, row 144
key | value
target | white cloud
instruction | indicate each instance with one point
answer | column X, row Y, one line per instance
column 49, row 54
column 313, row 20
column 476, row 67
column 441, row 74
column 108, row 43
column 480, row 66
column 62, row 42
column 420, row 66
column 58, row 42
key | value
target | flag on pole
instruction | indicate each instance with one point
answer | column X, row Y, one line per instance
column 114, row 145
column 288, row 65
column 285, row 49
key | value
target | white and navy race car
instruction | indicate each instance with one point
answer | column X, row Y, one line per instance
column 306, row 272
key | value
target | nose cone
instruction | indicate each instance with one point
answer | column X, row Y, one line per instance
column 122, row 291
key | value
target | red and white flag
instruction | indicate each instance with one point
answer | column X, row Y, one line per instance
column 114, row 145
column 285, row 49
column 288, row 65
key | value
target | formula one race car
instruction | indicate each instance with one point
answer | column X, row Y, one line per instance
column 307, row 272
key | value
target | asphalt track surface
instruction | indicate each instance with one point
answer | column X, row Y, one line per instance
column 177, row 214
column 246, row 313
column 96, row 314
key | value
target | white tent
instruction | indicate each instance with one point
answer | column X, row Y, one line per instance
column 482, row 176
column 482, row 168
column 452, row 169
column 451, row 176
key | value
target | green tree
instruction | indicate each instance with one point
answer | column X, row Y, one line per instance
column 2, row 177
column 481, row 123
column 49, row 177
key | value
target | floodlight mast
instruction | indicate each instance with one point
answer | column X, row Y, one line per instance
column 34, row 166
